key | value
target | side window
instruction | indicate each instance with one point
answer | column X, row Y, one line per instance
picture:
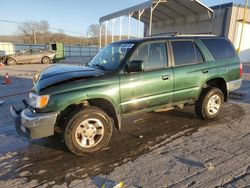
column 186, row 52
column 27, row 52
column 219, row 48
column 153, row 55
column 35, row 51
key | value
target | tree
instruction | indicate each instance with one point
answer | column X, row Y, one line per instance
column 93, row 33
column 93, row 30
column 32, row 30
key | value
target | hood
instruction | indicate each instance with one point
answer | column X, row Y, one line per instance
column 61, row 73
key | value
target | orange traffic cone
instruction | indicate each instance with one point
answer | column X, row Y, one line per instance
column 7, row 79
column 1, row 65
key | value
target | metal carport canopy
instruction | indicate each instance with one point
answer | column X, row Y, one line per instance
column 155, row 11
column 163, row 10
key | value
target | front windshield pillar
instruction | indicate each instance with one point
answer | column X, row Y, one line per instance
column 100, row 36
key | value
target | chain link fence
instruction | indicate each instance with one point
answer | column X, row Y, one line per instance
column 79, row 52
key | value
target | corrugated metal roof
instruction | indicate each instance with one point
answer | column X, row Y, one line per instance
column 166, row 10
column 126, row 11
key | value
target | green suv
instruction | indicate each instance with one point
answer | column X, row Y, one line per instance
column 129, row 77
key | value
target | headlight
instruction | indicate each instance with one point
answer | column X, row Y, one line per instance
column 37, row 101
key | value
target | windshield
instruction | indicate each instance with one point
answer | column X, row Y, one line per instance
column 110, row 57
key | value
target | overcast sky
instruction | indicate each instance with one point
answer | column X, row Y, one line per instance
column 72, row 15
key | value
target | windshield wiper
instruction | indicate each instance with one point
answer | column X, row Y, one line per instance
column 101, row 66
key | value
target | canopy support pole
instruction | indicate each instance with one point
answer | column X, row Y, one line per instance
column 129, row 24
column 139, row 22
column 106, row 32
column 120, row 35
column 113, row 29
column 151, row 16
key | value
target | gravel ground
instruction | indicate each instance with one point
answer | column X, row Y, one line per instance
column 167, row 149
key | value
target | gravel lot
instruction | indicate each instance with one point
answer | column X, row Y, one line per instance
column 167, row 149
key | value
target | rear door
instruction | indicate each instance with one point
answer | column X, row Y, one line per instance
column 225, row 61
column 152, row 87
column 190, row 69
column 36, row 56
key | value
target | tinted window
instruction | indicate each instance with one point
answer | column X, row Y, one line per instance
column 219, row 48
column 186, row 52
column 153, row 55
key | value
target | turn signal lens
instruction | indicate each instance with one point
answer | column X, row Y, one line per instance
column 44, row 100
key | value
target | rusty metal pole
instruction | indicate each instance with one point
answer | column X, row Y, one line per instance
column 243, row 24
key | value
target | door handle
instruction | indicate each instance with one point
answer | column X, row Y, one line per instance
column 204, row 71
column 165, row 77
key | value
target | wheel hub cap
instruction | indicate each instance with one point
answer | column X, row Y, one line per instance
column 89, row 133
column 214, row 104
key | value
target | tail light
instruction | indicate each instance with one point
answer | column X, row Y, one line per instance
column 241, row 70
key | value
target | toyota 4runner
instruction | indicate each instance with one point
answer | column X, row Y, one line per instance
column 125, row 78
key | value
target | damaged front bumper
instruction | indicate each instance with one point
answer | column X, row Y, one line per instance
column 33, row 125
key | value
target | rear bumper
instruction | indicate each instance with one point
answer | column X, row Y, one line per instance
column 234, row 85
column 33, row 125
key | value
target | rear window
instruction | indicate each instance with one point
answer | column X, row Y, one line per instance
column 219, row 48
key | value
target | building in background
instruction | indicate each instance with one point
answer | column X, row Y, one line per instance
column 187, row 17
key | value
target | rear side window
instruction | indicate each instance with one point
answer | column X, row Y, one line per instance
column 219, row 48
column 35, row 51
column 186, row 52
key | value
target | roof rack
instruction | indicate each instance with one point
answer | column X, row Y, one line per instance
column 176, row 34
column 165, row 34
column 196, row 34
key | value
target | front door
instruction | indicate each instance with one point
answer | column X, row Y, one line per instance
column 153, row 86
column 24, row 56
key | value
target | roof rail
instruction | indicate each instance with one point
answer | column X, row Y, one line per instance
column 196, row 34
column 165, row 34
column 176, row 34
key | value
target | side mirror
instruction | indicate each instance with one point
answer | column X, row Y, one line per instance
column 134, row 66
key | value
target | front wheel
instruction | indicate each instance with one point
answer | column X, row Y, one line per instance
column 210, row 103
column 88, row 130
column 11, row 61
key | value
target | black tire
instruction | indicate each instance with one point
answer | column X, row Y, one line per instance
column 11, row 61
column 205, row 108
column 73, row 139
column 46, row 60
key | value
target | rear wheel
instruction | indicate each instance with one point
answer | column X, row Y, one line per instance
column 210, row 103
column 11, row 61
column 88, row 130
column 46, row 60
